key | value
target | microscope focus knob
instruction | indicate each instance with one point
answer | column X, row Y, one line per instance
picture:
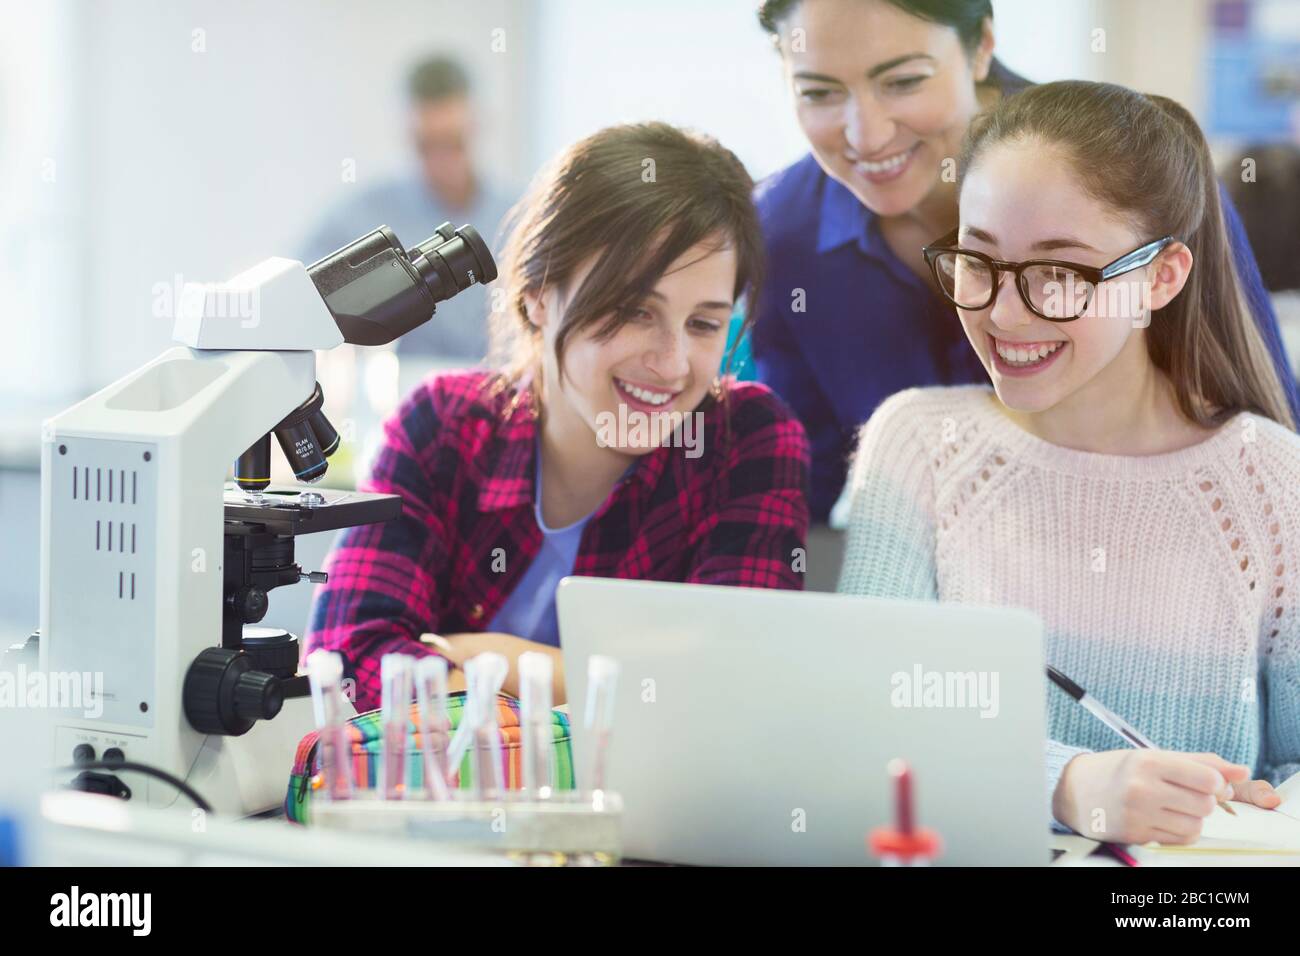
column 258, row 696
column 223, row 694
column 250, row 603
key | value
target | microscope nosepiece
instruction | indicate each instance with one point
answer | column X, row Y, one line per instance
column 306, row 437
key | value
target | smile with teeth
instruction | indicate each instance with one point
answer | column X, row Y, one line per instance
column 644, row 394
column 885, row 165
column 1020, row 354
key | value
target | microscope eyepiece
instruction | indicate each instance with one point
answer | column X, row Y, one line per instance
column 450, row 261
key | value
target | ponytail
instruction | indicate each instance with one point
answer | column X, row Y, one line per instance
column 1208, row 340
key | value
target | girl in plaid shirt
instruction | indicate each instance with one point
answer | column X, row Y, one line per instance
column 605, row 444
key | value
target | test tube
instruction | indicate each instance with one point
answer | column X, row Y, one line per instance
column 431, row 701
column 489, row 779
column 395, row 672
column 602, row 678
column 325, row 676
column 464, row 736
column 535, row 675
column 479, row 728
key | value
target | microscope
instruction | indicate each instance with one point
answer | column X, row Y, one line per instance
column 155, row 572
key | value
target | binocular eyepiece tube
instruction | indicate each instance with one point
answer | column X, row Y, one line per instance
column 377, row 292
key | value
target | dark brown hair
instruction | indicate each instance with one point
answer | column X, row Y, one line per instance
column 1145, row 157
column 637, row 197
column 965, row 16
column 437, row 78
column 1269, row 206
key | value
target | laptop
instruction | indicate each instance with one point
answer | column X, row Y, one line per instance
column 754, row 727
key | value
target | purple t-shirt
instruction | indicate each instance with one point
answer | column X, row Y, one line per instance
column 529, row 611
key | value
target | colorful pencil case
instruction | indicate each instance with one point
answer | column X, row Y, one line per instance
column 366, row 733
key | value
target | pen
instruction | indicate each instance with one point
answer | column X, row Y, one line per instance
column 1108, row 717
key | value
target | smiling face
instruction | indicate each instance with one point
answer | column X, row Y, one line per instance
column 1020, row 200
column 662, row 359
column 884, row 97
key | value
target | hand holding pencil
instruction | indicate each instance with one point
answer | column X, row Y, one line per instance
column 1144, row 795
column 1147, row 794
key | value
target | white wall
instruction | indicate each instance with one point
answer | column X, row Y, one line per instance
column 1160, row 46
column 203, row 163
column 1156, row 46
column 700, row 63
column 1045, row 40
column 42, row 187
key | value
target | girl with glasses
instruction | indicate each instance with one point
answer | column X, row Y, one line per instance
column 1133, row 475
column 884, row 91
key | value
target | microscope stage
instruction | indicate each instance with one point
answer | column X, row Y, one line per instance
column 296, row 509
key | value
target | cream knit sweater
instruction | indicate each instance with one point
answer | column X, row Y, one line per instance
column 1169, row 585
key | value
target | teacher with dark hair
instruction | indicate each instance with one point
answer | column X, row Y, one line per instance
column 848, row 315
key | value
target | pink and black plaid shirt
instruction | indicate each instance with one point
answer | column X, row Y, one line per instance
column 462, row 460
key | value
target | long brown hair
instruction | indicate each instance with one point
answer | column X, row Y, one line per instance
column 1145, row 157
column 637, row 197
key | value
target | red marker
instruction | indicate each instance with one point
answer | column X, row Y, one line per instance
column 904, row 844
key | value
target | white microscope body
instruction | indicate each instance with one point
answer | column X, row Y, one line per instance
column 131, row 531
column 132, row 487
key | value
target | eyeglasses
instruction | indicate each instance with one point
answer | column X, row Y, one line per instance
column 1053, row 290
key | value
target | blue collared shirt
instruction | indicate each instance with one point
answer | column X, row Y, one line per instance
column 842, row 323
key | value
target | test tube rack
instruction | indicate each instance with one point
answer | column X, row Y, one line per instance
column 577, row 827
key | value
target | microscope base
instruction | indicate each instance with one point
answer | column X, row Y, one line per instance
column 245, row 775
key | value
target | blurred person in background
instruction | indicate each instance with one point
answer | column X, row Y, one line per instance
column 1269, row 203
column 445, row 186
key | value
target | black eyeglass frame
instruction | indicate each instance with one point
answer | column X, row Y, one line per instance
column 1141, row 256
